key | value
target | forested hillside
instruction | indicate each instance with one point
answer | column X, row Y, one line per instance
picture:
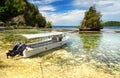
column 111, row 23
column 20, row 12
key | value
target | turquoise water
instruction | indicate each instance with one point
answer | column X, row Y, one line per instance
column 103, row 49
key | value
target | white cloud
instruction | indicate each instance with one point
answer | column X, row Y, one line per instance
column 83, row 3
column 105, row 2
column 48, row 1
column 42, row 1
column 110, row 9
column 35, row 2
column 72, row 17
column 46, row 8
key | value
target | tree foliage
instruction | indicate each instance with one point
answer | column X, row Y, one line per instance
column 91, row 19
column 111, row 23
column 12, row 8
column 33, row 13
column 48, row 24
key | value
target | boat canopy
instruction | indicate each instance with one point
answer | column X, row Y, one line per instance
column 40, row 35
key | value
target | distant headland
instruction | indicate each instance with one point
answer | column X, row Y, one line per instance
column 111, row 23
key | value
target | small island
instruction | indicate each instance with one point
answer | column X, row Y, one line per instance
column 91, row 20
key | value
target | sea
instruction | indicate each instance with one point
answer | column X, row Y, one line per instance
column 101, row 48
column 74, row 27
column 64, row 27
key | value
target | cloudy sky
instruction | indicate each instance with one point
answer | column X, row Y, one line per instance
column 71, row 12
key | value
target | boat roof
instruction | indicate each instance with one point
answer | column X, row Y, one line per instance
column 40, row 35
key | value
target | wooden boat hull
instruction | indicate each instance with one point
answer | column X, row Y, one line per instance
column 33, row 51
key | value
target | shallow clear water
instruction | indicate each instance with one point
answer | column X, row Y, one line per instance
column 104, row 46
column 101, row 48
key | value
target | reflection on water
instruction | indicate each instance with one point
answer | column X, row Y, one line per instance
column 90, row 41
column 109, row 48
column 99, row 49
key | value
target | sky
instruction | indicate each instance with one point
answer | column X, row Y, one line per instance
column 71, row 12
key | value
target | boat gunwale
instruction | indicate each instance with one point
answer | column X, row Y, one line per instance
column 41, row 35
column 52, row 42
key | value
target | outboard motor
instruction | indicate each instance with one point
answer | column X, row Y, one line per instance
column 16, row 46
column 20, row 49
column 17, row 49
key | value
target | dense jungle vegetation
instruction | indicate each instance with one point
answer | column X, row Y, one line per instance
column 21, row 12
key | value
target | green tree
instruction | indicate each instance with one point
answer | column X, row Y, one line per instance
column 3, row 13
column 91, row 20
column 2, row 2
column 111, row 23
column 33, row 17
column 13, row 8
column 48, row 24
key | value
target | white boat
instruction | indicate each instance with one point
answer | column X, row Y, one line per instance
column 54, row 39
